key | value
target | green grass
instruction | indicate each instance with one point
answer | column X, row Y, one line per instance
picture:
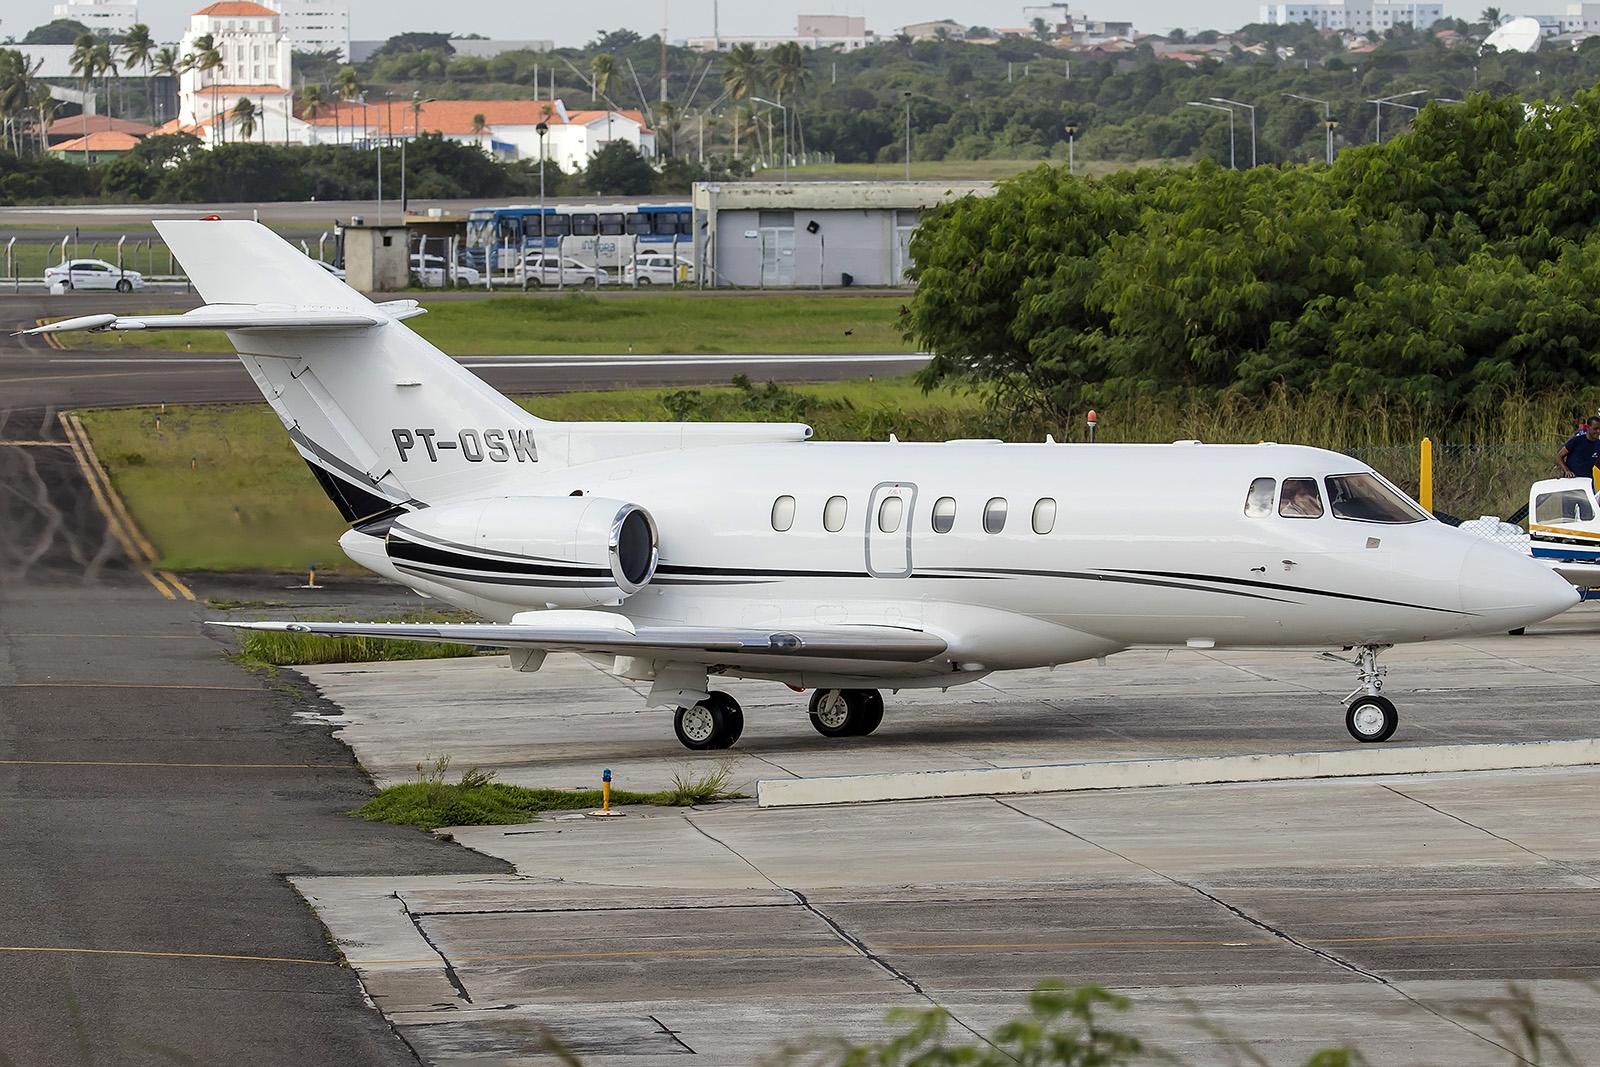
column 654, row 323
column 478, row 800
column 271, row 648
column 958, row 169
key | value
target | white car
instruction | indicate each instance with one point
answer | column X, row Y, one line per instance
column 657, row 268
column 337, row 272
column 93, row 274
column 558, row 270
column 430, row 270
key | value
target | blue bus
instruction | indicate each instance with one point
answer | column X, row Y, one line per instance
column 597, row 235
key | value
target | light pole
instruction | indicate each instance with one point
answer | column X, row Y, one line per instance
column 1229, row 110
column 1252, row 108
column 1072, row 134
column 907, row 94
column 785, row 111
column 541, row 129
column 416, row 127
column 1378, row 103
column 1327, row 120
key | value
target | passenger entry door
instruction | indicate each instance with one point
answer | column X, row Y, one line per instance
column 889, row 512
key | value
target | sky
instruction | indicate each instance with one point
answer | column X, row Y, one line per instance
column 520, row 20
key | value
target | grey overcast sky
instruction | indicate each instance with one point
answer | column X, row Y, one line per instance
column 573, row 24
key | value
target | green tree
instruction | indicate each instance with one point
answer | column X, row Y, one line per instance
column 603, row 76
column 86, row 65
column 787, row 74
column 137, row 48
column 741, row 71
column 244, row 118
column 59, row 31
column 618, row 170
column 166, row 63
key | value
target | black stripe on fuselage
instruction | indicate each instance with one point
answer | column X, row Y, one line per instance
column 1221, row 579
column 403, row 550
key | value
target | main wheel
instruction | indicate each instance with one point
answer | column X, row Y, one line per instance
column 715, row 722
column 1371, row 719
column 124, row 285
column 871, row 711
column 732, row 719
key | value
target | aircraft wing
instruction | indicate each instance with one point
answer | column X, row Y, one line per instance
column 608, row 633
column 242, row 317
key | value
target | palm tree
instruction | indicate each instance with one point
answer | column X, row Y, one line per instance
column 311, row 102
column 84, row 65
column 478, row 126
column 787, row 74
column 105, row 60
column 348, row 85
column 1491, row 15
column 16, row 86
column 603, row 77
column 136, row 49
column 668, row 117
column 166, row 64
column 244, row 116
column 205, row 58
column 742, row 75
column 44, row 103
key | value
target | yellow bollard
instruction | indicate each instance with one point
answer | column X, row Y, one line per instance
column 605, row 811
column 1425, row 490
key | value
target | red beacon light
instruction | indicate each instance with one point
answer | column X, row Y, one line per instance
column 211, row 218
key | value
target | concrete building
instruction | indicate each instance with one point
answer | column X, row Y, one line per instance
column 315, row 25
column 929, row 31
column 100, row 16
column 99, row 147
column 1580, row 18
column 255, row 62
column 844, row 32
column 1355, row 16
column 813, row 234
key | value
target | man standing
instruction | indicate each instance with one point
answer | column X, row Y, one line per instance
column 1578, row 456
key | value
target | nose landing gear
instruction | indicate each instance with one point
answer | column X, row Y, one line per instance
column 1371, row 716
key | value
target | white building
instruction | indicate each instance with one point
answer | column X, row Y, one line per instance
column 255, row 65
column 100, row 16
column 1581, row 18
column 844, row 32
column 315, row 25
column 1355, row 16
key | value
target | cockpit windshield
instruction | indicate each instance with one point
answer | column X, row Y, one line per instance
column 1367, row 498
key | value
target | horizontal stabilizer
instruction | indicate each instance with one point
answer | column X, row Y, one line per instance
column 243, row 317
column 620, row 637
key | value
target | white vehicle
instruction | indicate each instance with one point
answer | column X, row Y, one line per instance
column 548, row 269
column 431, row 271
column 1563, row 529
column 93, row 274
column 677, row 553
column 657, row 268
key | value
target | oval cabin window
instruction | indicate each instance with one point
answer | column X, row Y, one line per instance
column 994, row 515
column 783, row 513
column 1044, row 516
column 944, row 514
column 833, row 513
column 889, row 513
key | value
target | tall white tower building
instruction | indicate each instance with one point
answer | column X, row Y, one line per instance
column 254, row 50
column 316, row 25
column 100, row 16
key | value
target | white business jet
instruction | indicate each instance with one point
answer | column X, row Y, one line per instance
column 674, row 553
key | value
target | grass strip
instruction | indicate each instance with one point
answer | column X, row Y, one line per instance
column 478, row 800
column 274, row 648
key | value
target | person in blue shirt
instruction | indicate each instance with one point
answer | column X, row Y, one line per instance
column 1578, row 456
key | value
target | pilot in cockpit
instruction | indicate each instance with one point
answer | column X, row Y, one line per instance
column 1300, row 499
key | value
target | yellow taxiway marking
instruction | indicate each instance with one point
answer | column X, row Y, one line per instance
column 49, row 338
column 198, row 766
column 165, row 955
column 34, row 444
column 172, row 580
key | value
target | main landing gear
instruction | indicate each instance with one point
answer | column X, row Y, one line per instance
column 715, row 722
column 846, row 712
column 1371, row 716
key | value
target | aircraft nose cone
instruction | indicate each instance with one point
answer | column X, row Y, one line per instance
column 1507, row 589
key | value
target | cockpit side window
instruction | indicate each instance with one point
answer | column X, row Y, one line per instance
column 1258, row 502
column 1569, row 505
column 1300, row 499
column 1368, row 498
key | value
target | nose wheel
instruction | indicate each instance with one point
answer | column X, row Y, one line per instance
column 846, row 712
column 1371, row 716
column 716, row 722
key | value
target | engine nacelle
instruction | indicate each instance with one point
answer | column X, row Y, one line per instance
column 556, row 551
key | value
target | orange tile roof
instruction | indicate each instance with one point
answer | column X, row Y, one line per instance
column 236, row 7
column 73, row 125
column 109, row 141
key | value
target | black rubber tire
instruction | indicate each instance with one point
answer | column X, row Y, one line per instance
column 67, row 285
column 1363, row 727
column 700, row 735
column 837, row 723
column 124, row 285
column 871, row 702
column 643, row 280
column 732, row 720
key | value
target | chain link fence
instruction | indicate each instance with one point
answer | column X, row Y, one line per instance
column 1469, row 481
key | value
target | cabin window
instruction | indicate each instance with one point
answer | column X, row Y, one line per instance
column 610, row 224
column 1569, row 505
column 833, row 513
column 889, row 513
column 944, row 514
column 585, row 225
column 783, row 513
column 994, row 515
column 556, row 225
column 1300, row 499
column 1367, row 498
column 1258, row 502
column 1044, row 515
column 639, row 223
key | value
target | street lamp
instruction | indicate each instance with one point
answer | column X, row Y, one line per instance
column 785, row 111
column 1252, row 107
column 1229, row 110
column 1072, row 134
column 1391, row 100
column 1327, row 120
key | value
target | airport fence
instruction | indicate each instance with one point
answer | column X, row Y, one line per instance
column 1465, row 481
